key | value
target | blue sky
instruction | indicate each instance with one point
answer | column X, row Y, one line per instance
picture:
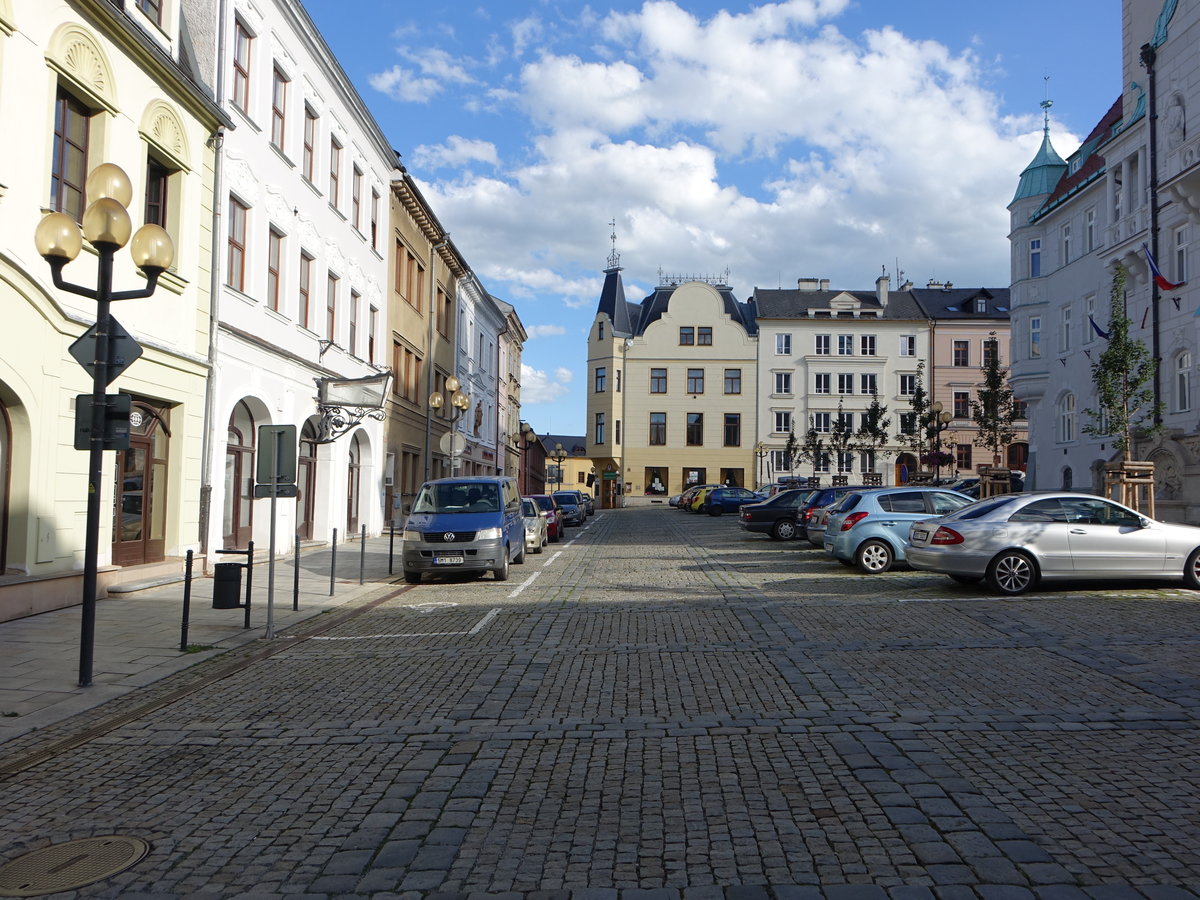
column 822, row 138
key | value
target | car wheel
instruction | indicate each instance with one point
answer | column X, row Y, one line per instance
column 1191, row 571
column 716, row 510
column 1012, row 572
column 500, row 573
column 783, row 530
column 967, row 579
column 412, row 577
column 520, row 558
column 874, row 557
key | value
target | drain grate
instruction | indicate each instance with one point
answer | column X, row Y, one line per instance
column 64, row 867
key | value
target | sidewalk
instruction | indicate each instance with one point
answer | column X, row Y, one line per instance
column 138, row 634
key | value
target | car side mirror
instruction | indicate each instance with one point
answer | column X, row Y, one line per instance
column 1143, row 522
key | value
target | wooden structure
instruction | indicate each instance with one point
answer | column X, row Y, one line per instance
column 994, row 480
column 872, row 479
column 1132, row 483
column 840, row 480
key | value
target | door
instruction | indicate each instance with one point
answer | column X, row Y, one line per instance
column 306, row 481
column 140, row 492
column 1106, row 539
column 238, row 513
column 354, row 486
column 5, row 475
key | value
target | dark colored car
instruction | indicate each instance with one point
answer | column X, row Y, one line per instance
column 777, row 516
column 573, row 512
column 554, row 524
column 728, row 499
column 819, row 497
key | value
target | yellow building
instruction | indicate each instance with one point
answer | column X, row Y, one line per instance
column 671, row 389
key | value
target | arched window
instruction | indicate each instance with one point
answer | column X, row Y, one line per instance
column 354, row 485
column 1183, row 381
column 238, row 511
column 1068, row 479
column 1066, row 419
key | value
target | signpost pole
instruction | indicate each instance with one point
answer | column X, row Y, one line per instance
column 271, row 552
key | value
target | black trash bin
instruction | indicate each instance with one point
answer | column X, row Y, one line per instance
column 227, row 586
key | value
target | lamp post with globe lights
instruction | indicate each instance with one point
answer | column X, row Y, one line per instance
column 459, row 404
column 939, row 420
column 760, row 451
column 559, row 454
column 107, row 226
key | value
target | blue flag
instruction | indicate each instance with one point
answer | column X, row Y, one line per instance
column 1096, row 328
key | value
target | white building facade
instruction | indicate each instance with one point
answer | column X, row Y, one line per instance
column 480, row 324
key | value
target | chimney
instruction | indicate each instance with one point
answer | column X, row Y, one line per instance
column 812, row 284
column 907, row 286
column 881, row 289
column 824, row 284
column 934, row 285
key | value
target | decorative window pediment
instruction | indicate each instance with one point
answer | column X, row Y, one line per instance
column 76, row 55
column 163, row 128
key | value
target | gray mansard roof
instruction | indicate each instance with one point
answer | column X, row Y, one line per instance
column 791, row 303
column 632, row 319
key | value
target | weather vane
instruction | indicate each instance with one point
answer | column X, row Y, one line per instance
column 614, row 258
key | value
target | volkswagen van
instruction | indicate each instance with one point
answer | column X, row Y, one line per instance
column 464, row 524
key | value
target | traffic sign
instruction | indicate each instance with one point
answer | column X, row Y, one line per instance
column 116, row 421
column 276, row 490
column 276, row 455
column 123, row 350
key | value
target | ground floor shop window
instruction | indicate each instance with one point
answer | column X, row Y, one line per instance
column 656, row 480
column 693, row 476
column 733, row 477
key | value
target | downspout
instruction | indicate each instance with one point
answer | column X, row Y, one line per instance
column 1148, row 57
column 433, row 249
column 214, row 295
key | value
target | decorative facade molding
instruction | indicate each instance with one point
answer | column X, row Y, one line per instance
column 76, row 55
column 163, row 128
column 8, row 22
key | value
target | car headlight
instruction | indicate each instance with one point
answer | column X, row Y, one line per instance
column 412, row 535
column 488, row 534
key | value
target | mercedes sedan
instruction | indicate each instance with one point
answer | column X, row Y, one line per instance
column 1015, row 541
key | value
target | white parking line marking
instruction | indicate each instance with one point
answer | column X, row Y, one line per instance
column 526, row 583
column 479, row 626
column 552, row 559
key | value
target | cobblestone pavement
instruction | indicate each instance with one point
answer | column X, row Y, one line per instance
column 665, row 707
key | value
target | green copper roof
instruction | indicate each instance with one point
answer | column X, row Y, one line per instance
column 1041, row 175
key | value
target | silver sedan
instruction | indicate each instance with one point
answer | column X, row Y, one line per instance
column 1016, row 540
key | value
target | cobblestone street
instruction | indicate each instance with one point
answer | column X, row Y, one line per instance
column 665, row 706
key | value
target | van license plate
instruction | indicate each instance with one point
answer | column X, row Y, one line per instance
column 447, row 560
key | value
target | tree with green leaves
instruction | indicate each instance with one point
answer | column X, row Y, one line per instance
column 841, row 440
column 791, row 450
column 872, row 435
column 813, row 450
column 1124, row 378
column 919, row 406
column 995, row 411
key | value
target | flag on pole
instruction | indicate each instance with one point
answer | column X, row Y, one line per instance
column 1159, row 278
column 1096, row 328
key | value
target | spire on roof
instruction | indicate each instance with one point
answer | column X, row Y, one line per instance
column 1041, row 175
column 614, row 258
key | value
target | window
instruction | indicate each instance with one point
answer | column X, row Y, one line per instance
column 1089, row 231
column 152, row 9
column 845, row 383
column 69, row 166
column 356, row 198
column 1064, row 328
column 845, row 462
column 778, row 461
column 303, row 312
column 845, row 421
column 1066, row 418
column 278, row 107
column 866, row 345
column 695, row 381
column 695, row 429
column 733, row 430
column 599, row 429
column 1035, row 337
column 274, row 254
column 1181, row 255
column 355, row 297
column 962, row 353
column 962, row 404
column 445, row 309
column 374, row 218
column 658, row 381
column 372, row 328
column 822, row 422
column 687, row 336
column 822, row 383
column 617, row 432
column 617, row 386
column 158, row 179
column 241, row 67
column 908, row 345
column 868, row 384
column 1183, row 382
column 908, row 385
column 1064, row 241
column 733, row 381
column 601, row 379
column 962, row 457
column 1035, row 258
column 991, row 351
column 658, row 429
column 237, row 244
column 599, row 331
column 1089, row 312
column 821, row 345
column 335, row 167
column 783, row 345
column 783, row 382
column 704, row 336
column 783, row 421
column 331, row 288
column 908, row 423
column 310, row 144
column 845, row 345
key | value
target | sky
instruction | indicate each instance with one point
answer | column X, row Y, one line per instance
column 834, row 139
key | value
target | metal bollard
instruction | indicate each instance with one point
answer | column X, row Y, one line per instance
column 249, row 578
column 391, row 543
column 296, row 578
column 362, row 555
column 187, row 602
column 332, row 561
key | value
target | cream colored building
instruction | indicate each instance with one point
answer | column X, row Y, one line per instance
column 120, row 85
column 671, row 390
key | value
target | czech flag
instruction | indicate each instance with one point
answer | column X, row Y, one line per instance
column 1159, row 278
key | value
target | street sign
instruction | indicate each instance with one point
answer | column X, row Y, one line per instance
column 116, row 421
column 123, row 350
column 276, row 490
column 274, row 439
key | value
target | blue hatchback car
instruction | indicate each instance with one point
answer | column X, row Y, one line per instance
column 869, row 528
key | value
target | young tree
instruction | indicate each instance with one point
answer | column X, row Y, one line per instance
column 791, row 450
column 918, row 405
column 995, row 412
column 1124, row 377
column 812, row 451
column 842, row 439
column 872, row 435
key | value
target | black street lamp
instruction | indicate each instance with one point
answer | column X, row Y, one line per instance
column 523, row 439
column 459, row 404
column 107, row 226
column 760, row 450
column 939, row 420
column 559, row 454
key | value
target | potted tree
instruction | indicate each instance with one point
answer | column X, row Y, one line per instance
column 1125, row 405
column 920, row 410
column 813, row 452
column 841, row 442
column 995, row 416
column 872, row 437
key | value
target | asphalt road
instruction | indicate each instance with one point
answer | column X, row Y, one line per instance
column 663, row 707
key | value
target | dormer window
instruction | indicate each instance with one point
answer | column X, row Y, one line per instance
column 981, row 305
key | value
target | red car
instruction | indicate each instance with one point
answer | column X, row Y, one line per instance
column 554, row 523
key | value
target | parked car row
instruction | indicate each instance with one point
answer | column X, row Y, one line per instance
column 714, row 499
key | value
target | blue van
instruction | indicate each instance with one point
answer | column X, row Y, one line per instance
column 466, row 524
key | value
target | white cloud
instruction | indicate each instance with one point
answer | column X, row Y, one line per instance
column 438, row 70
column 539, row 387
column 457, row 151
column 537, row 331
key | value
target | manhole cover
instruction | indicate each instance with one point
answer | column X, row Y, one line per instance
column 64, row 867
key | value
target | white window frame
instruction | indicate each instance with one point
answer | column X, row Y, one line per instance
column 1035, row 337
column 908, row 345
column 866, row 345
column 783, row 382
column 1183, row 381
column 821, row 345
column 783, row 344
column 868, row 383
column 1066, row 419
column 910, row 381
column 822, row 380
column 845, row 344
column 1064, row 329
column 783, row 421
column 822, row 422
column 845, row 383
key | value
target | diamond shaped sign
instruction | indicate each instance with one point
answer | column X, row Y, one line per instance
column 123, row 350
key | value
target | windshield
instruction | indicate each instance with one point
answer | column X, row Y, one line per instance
column 567, row 498
column 544, row 502
column 457, row 497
